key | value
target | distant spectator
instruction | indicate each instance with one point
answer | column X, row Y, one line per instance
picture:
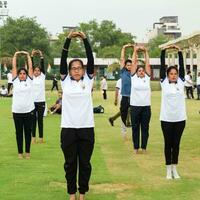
column 3, row 91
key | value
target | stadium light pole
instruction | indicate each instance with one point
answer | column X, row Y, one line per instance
column 3, row 15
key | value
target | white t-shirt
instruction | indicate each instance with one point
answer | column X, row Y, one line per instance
column 104, row 85
column 3, row 91
column 22, row 101
column 188, row 81
column 140, row 91
column 9, row 77
column 77, row 106
column 39, row 88
column 119, row 86
column 173, row 101
column 198, row 80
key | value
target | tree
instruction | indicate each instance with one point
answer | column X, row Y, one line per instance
column 23, row 34
column 153, row 45
column 106, row 39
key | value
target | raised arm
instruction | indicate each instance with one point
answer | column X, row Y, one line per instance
column 123, row 54
column 41, row 62
column 64, row 55
column 181, row 64
column 30, row 65
column 134, row 60
column 14, row 64
column 162, row 65
column 147, row 62
column 90, row 58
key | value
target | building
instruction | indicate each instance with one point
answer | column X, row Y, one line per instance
column 167, row 25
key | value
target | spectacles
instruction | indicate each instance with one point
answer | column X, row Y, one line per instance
column 76, row 68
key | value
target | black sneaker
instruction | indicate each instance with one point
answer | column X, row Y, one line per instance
column 111, row 121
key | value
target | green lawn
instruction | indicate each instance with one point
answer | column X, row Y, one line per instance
column 117, row 172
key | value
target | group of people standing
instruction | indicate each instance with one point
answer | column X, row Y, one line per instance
column 28, row 102
column 136, row 96
column 77, row 118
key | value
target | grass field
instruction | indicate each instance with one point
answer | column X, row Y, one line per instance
column 117, row 172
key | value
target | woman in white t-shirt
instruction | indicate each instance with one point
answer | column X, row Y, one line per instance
column 22, row 103
column 140, row 100
column 173, row 111
column 77, row 120
column 38, row 95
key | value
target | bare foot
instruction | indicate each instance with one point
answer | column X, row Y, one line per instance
column 28, row 156
column 144, row 151
column 81, row 197
column 20, row 156
column 136, row 151
column 72, row 197
column 33, row 140
column 41, row 140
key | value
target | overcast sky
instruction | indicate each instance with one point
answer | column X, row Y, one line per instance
column 135, row 16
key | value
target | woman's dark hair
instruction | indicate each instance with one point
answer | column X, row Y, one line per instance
column 189, row 72
column 139, row 68
column 128, row 61
column 22, row 69
column 37, row 66
column 170, row 68
column 75, row 60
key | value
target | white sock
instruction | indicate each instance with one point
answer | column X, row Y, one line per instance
column 175, row 173
column 169, row 172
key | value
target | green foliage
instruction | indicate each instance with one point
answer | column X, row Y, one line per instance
column 23, row 34
column 105, row 38
column 153, row 45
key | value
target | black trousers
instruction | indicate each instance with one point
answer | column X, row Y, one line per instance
column 140, row 117
column 198, row 92
column 104, row 94
column 77, row 146
column 23, row 123
column 9, row 87
column 54, row 86
column 189, row 92
column 38, row 115
column 124, row 107
column 172, row 132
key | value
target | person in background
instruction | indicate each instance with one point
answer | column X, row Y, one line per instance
column 3, row 91
column 198, row 86
column 104, row 87
column 38, row 96
column 189, row 85
column 113, row 118
column 125, row 75
column 10, row 84
column 57, row 107
column 54, row 83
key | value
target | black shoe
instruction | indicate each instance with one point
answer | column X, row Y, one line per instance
column 111, row 121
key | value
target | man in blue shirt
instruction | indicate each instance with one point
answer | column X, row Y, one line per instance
column 126, row 82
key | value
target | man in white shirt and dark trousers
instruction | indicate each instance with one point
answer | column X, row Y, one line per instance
column 77, row 120
column 189, row 85
column 173, row 111
column 104, row 87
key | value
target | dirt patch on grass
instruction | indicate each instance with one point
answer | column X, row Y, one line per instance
column 100, row 188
